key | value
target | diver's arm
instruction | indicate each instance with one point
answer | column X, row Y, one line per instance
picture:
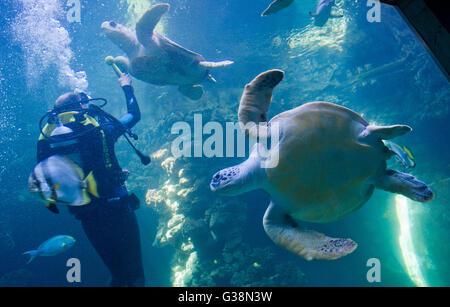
column 134, row 114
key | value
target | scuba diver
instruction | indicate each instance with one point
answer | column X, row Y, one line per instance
column 84, row 134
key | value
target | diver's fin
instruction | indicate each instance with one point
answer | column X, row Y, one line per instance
column 52, row 208
column 33, row 254
column 385, row 132
column 207, row 64
column 193, row 92
column 148, row 22
column 91, row 185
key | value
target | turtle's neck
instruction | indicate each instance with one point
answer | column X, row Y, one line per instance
column 255, row 176
column 127, row 41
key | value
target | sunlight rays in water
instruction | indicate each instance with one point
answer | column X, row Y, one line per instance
column 405, row 240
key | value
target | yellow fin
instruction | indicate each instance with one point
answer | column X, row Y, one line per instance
column 408, row 152
column 86, row 199
column 92, row 185
column 77, row 168
column 57, row 186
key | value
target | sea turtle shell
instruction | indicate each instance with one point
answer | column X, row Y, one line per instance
column 325, row 166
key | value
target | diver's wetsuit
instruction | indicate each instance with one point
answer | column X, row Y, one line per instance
column 109, row 221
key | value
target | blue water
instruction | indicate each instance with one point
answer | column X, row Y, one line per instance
column 380, row 70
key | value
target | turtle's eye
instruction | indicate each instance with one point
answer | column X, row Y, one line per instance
column 216, row 177
column 113, row 24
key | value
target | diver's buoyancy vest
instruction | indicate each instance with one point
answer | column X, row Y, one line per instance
column 90, row 151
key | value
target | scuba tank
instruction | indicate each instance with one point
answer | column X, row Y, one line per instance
column 62, row 131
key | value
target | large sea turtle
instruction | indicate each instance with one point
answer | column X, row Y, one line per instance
column 153, row 58
column 330, row 160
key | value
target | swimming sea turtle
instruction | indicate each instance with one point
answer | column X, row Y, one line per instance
column 155, row 59
column 329, row 162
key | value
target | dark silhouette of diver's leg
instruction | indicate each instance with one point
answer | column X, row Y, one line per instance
column 114, row 233
column 129, row 250
column 99, row 231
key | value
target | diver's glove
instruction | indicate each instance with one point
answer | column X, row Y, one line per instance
column 125, row 80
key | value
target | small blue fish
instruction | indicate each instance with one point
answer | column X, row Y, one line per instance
column 52, row 247
column 403, row 155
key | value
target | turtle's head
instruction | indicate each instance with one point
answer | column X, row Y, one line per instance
column 121, row 35
column 227, row 182
column 245, row 177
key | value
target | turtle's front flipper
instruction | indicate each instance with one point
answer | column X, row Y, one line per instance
column 284, row 231
column 255, row 101
column 193, row 92
column 148, row 22
column 405, row 184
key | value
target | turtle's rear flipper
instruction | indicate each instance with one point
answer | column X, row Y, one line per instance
column 193, row 92
column 405, row 184
column 285, row 232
